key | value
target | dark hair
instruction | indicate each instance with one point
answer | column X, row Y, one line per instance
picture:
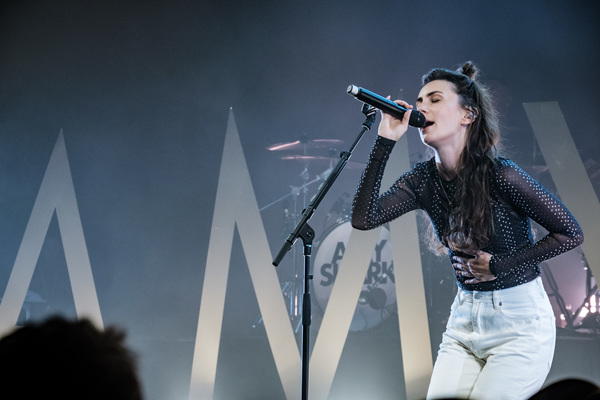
column 567, row 389
column 68, row 360
column 471, row 223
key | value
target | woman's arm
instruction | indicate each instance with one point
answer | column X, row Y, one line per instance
column 371, row 209
column 528, row 197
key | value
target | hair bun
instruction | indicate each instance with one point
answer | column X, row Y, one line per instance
column 469, row 69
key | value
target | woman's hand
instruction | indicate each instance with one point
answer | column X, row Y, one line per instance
column 394, row 128
column 475, row 270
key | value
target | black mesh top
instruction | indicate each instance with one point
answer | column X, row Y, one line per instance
column 516, row 198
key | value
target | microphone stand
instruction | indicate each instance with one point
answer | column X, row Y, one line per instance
column 307, row 234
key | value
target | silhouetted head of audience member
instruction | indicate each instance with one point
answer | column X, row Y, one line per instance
column 569, row 389
column 65, row 359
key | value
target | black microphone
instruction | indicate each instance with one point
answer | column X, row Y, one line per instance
column 387, row 106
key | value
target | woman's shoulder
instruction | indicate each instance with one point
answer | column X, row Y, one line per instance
column 503, row 162
column 419, row 173
column 426, row 165
column 508, row 171
column 504, row 165
column 424, row 168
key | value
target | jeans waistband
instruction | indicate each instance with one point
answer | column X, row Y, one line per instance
column 526, row 290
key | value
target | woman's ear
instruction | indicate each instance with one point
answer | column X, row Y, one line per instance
column 471, row 115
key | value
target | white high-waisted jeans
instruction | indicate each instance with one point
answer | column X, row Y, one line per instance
column 497, row 345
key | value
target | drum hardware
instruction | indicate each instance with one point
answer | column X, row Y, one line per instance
column 34, row 306
column 591, row 322
column 591, row 305
column 291, row 288
column 374, row 297
column 586, row 317
column 296, row 190
column 286, row 289
column 557, row 296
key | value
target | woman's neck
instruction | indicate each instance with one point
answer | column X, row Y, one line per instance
column 447, row 163
column 447, row 154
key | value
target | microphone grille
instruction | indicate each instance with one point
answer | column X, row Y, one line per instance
column 416, row 119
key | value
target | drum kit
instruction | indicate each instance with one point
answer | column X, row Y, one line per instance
column 377, row 300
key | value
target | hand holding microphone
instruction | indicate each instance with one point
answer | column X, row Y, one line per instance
column 387, row 106
column 392, row 128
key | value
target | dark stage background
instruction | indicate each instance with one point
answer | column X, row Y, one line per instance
column 142, row 91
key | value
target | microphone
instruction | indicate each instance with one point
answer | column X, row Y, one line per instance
column 387, row 106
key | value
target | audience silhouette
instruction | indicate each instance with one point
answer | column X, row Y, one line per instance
column 63, row 359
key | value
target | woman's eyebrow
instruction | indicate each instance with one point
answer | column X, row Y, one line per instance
column 420, row 99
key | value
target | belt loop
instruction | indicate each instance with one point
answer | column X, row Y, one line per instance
column 496, row 299
column 460, row 296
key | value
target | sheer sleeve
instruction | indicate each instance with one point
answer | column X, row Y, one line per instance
column 528, row 197
column 371, row 209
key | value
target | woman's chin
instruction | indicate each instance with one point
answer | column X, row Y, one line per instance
column 426, row 139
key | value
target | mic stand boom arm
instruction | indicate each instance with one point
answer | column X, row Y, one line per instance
column 304, row 231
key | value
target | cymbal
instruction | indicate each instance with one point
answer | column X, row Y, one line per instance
column 306, row 144
column 322, row 159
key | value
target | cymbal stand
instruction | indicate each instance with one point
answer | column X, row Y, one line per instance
column 306, row 233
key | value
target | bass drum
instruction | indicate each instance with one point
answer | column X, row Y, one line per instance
column 378, row 296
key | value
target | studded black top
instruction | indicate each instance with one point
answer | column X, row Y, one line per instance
column 517, row 199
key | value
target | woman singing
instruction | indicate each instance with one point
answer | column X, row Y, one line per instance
column 499, row 340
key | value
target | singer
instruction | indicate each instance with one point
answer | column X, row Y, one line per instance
column 499, row 339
